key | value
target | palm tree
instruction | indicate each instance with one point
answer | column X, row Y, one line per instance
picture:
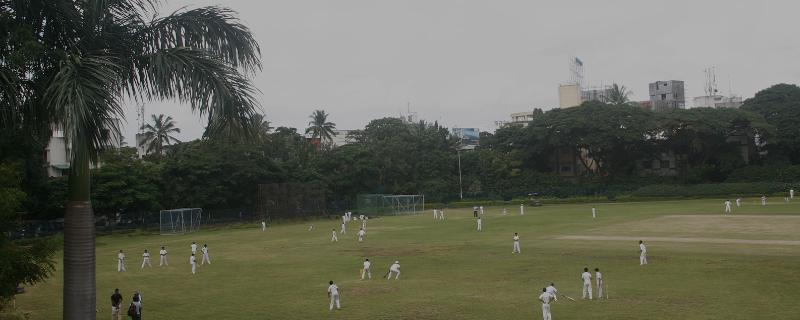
column 159, row 133
column 319, row 127
column 90, row 55
column 618, row 95
column 261, row 124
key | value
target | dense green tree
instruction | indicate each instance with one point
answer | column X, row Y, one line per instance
column 125, row 183
column 618, row 95
column 93, row 53
column 780, row 106
column 320, row 128
column 158, row 134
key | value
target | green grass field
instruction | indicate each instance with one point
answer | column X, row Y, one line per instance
column 451, row 271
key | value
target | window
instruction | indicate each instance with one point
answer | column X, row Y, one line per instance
column 664, row 164
column 663, row 96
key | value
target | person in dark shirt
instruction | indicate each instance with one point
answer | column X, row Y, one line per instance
column 116, row 300
column 136, row 302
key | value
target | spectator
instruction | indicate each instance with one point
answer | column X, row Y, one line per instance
column 137, row 314
column 116, row 301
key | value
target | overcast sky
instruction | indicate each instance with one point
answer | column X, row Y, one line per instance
column 469, row 63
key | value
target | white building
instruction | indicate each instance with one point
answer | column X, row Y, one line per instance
column 58, row 153
column 340, row 138
column 718, row 101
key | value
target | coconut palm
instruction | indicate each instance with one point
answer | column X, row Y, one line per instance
column 159, row 133
column 262, row 125
column 319, row 127
column 618, row 95
column 92, row 54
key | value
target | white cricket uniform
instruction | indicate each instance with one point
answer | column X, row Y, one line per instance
column 146, row 259
column 481, row 210
column 598, row 279
column 311, row 227
column 366, row 270
column 587, row 284
column 395, row 268
column 441, row 214
column 791, row 193
column 120, row 262
column 361, row 234
column 553, row 291
column 193, row 262
column 594, row 213
column 738, row 202
column 364, row 224
column 521, row 209
column 516, row 245
column 343, row 228
column 643, row 254
column 546, row 297
column 727, row 206
column 333, row 292
column 763, row 201
column 479, row 224
column 194, row 248
column 163, row 261
column 435, row 214
column 263, row 226
column 205, row 256
column 505, row 211
column 333, row 236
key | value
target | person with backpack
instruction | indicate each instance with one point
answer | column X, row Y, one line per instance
column 135, row 308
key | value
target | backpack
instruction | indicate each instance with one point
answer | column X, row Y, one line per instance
column 132, row 310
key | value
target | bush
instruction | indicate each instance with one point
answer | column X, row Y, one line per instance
column 712, row 190
column 766, row 173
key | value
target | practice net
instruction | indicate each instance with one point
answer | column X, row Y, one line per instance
column 178, row 221
column 390, row 204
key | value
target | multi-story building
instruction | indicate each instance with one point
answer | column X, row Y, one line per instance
column 667, row 95
column 569, row 95
column 340, row 138
column 596, row 94
column 717, row 101
column 58, row 153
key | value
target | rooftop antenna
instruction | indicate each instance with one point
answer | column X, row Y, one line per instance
column 711, row 81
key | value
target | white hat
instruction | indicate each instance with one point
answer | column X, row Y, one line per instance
column 397, row 262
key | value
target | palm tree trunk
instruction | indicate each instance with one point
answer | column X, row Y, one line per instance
column 79, row 246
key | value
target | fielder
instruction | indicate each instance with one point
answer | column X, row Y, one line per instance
column 366, row 270
column 545, row 298
column 435, row 214
column 516, row 244
column 364, row 224
column 120, row 261
column 481, row 207
column 791, row 193
column 479, row 223
column 475, row 211
column 551, row 289
column 333, row 294
column 361, row 234
column 594, row 212
column 205, row 255
column 396, row 269
column 505, row 211
column 738, row 202
column 193, row 262
column 763, row 200
column 642, row 253
column 333, row 235
column 163, row 261
column 263, row 225
column 194, row 247
column 587, row 283
column 311, row 228
column 146, row 259
column 727, row 206
column 441, row 214
column 521, row 209
column 598, row 278
column 343, row 228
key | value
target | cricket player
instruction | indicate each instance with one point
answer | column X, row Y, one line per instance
column 146, row 259
column 333, row 235
column 479, row 223
column 738, row 202
column 727, row 206
column 163, row 254
column 333, row 294
column 763, row 200
column 791, row 193
column 598, row 278
column 435, row 214
column 521, row 209
column 441, row 214
column 366, row 270
column 516, row 244
column 361, row 234
column 194, row 247
column 481, row 208
column 505, row 211
column 551, row 289
column 587, row 283
column 193, row 262
column 475, row 211
column 594, row 212
column 343, row 228
column 545, row 298
column 311, row 228
column 263, row 225
column 642, row 253
column 364, row 224
column 120, row 261
column 205, row 255
column 396, row 269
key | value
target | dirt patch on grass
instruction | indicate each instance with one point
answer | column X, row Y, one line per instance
column 692, row 239
column 772, row 227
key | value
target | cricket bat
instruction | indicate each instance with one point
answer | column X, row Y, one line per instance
column 568, row 297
